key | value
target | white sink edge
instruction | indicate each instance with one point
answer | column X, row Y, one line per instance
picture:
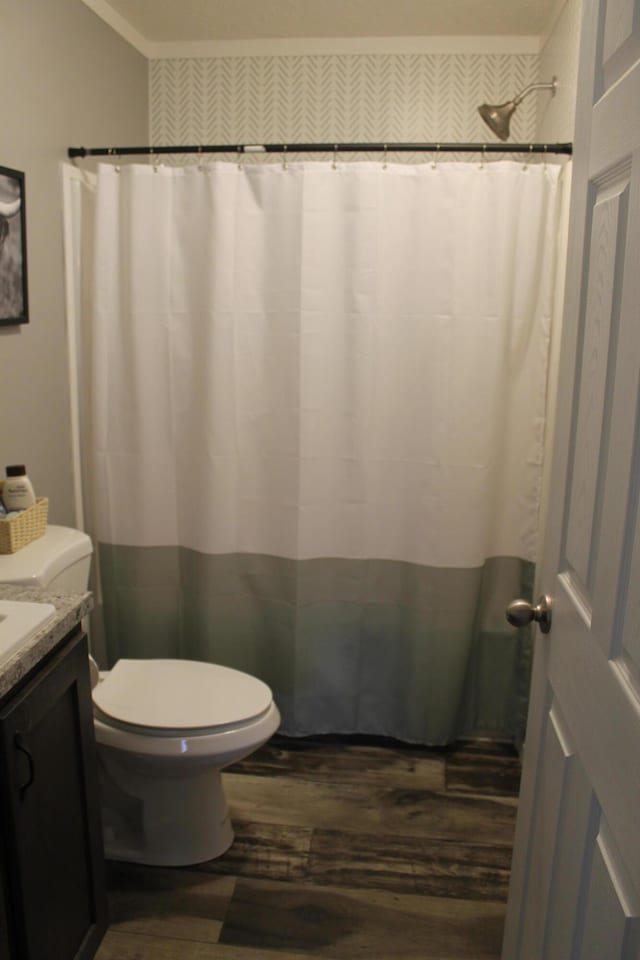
column 19, row 621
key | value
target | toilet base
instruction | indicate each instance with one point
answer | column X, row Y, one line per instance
column 173, row 822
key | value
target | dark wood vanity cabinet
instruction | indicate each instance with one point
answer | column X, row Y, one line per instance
column 52, row 876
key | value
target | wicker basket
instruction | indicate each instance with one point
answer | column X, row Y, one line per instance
column 30, row 524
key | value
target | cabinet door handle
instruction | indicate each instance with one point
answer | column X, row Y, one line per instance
column 21, row 746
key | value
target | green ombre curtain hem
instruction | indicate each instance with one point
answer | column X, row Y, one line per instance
column 379, row 647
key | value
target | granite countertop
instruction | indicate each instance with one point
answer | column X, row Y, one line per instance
column 70, row 609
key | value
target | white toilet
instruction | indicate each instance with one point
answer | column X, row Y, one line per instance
column 164, row 728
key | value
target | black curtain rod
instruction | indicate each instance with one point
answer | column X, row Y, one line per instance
column 482, row 148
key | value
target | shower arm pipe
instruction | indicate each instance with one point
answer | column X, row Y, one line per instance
column 285, row 148
column 552, row 85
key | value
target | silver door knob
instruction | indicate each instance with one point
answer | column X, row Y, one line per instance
column 521, row 612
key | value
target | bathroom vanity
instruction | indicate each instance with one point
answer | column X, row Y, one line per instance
column 52, row 884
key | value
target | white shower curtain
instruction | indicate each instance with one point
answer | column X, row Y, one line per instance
column 319, row 413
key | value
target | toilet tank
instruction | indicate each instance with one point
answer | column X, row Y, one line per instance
column 58, row 561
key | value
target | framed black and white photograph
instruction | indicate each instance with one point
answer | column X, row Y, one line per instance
column 13, row 248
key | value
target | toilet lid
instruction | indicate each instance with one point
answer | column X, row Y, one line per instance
column 179, row 694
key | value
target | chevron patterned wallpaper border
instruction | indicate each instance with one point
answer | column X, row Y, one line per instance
column 369, row 97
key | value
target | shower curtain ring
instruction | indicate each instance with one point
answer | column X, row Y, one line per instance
column 484, row 154
column 434, row 165
column 384, row 162
column 112, row 152
column 525, row 165
column 335, row 154
column 284, row 157
column 240, row 153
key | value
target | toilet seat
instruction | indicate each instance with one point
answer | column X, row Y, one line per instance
column 178, row 698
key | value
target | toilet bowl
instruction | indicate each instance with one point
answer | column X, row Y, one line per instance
column 165, row 729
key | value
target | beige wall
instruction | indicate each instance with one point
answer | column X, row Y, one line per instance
column 70, row 80
column 556, row 119
column 559, row 58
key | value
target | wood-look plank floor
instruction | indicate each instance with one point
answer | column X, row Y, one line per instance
column 342, row 850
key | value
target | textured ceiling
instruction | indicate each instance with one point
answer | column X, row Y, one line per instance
column 222, row 20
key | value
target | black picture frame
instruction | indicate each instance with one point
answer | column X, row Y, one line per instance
column 14, row 306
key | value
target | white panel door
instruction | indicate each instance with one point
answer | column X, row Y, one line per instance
column 575, row 889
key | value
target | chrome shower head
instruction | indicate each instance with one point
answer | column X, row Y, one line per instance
column 498, row 117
